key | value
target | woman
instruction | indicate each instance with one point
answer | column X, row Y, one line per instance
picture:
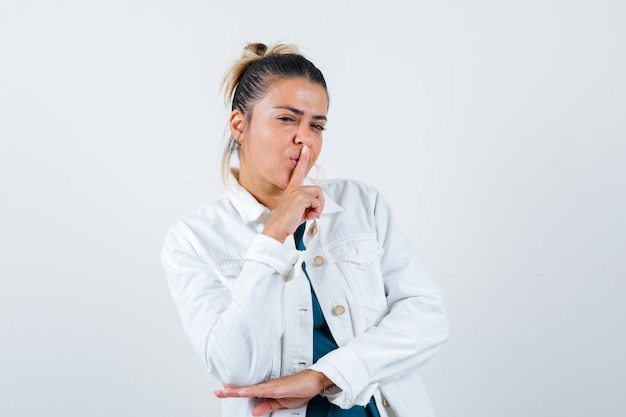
column 302, row 299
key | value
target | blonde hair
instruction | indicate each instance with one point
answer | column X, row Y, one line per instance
column 250, row 77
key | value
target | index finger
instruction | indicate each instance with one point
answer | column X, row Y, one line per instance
column 299, row 172
column 250, row 391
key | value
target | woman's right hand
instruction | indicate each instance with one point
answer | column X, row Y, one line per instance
column 298, row 203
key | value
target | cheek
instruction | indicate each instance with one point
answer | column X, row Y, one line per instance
column 261, row 144
column 318, row 150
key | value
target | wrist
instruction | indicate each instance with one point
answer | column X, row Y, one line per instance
column 327, row 385
column 281, row 237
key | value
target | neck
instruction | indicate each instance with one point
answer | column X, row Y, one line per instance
column 266, row 195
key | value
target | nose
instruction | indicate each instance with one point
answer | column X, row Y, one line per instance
column 302, row 136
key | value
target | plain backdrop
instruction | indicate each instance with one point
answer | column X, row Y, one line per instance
column 495, row 128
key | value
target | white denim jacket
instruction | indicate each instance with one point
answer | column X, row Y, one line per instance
column 245, row 302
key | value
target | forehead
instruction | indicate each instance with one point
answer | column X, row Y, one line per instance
column 298, row 93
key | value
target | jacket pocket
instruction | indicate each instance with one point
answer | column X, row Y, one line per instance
column 358, row 262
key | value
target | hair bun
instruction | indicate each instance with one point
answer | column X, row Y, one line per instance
column 258, row 49
column 252, row 53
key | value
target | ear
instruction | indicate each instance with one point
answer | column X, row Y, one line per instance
column 237, row 123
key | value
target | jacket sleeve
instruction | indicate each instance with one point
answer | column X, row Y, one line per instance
column 413, row 330
column 234, row 328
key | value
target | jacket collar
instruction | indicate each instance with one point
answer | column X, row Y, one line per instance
column 251, row 210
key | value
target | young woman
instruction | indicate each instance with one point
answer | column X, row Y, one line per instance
column 302, row 299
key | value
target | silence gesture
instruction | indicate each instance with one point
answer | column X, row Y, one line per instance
column 298, row 203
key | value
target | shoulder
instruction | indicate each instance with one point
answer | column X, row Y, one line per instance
column 203, row 217
column 357, row 197
column 341, row 188
column 351, row 193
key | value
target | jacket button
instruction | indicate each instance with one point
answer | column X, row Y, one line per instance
column 313, row 229
column 318, row 261
column 385, row 402
column 339, row 310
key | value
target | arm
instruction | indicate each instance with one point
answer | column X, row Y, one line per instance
column 236, row 330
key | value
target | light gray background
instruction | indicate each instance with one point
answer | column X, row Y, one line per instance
column 496, row 129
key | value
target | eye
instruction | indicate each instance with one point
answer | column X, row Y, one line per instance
column 286, row 119
column 318, row 126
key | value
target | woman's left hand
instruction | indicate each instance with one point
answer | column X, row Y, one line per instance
column 286, row 392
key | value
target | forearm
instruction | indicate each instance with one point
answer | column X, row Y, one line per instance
column 241, row 343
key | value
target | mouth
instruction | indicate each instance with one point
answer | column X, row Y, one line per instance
column 294, row 159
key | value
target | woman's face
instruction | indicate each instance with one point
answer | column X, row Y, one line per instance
column 291, row 115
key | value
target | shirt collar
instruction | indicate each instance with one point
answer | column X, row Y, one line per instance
column 251, row 210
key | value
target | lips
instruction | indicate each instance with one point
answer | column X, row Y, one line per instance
column 295, row 158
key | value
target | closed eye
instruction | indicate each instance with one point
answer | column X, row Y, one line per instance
column 318, row 126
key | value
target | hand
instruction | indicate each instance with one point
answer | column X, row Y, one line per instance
column 297, row 204
column 287, row 392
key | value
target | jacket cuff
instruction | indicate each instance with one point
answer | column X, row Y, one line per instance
column 271, row 252
column 346, row 370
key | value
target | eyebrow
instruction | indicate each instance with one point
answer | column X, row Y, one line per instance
column 299, row 112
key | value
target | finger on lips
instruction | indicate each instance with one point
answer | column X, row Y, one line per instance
column 299, row 172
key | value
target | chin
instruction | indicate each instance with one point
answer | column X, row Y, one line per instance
column 285, row 182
